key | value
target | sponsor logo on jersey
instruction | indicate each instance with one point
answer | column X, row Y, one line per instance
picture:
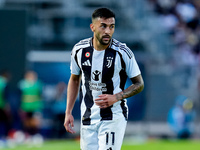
column 97, row 86
column 86, row 63
column 96, row 75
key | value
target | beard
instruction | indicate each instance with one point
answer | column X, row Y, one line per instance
column 101, row 41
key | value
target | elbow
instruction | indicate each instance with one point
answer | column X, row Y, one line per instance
column 138, row 84
column 141, row 86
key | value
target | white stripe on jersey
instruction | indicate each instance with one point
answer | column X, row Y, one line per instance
column 97, row 65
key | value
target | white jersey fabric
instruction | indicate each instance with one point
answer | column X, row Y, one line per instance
column 102, row 72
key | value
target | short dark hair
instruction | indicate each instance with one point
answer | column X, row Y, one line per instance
column 103, row 13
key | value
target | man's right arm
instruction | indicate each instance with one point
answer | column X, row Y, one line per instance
column 72, row 92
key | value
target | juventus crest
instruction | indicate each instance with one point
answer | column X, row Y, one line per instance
column 109, row 62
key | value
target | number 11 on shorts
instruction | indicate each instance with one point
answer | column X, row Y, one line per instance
column 112, row 134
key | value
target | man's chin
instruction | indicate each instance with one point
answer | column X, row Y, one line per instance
column 105, row 42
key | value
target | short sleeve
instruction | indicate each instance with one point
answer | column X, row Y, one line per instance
column 74, row 67
column 132, row 68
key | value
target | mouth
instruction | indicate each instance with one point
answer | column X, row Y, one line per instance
column 106, row 38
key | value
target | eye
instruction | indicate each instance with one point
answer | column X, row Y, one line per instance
column 103, row 26
column 112, row 26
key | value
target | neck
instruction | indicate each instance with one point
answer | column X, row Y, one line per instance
column 98, row 46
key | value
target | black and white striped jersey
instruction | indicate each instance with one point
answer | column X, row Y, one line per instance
column 102, row 72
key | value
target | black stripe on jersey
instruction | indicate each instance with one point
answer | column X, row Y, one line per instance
column 111, row 42
column 88, row 98
column 80, row 94
column 75, row 57
column 123, row 78
column 124, row 109
column 107, row 75
column 125, row 49
column 115, row 43
column 122, row 74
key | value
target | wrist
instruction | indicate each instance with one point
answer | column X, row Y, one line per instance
column 67, row 112
column 119, row 96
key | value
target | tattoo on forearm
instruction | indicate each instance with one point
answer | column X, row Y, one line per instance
column 130, row 91
column 122, row 94
column 118, row 97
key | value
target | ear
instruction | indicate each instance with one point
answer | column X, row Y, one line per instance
column 92, row 27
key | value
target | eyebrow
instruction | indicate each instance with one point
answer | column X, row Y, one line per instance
column 107, row 24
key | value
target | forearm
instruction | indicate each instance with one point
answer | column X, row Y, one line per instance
column 132, row 90
column 72, row 92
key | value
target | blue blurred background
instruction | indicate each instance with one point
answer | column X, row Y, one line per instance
column 164, row 35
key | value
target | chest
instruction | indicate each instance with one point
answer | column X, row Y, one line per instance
column 98, row 65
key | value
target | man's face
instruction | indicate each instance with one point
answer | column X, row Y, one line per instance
column 103, row 29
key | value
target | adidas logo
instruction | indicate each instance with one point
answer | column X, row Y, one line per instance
column 87, row 63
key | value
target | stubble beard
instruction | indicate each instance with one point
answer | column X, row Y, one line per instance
column 102, row 42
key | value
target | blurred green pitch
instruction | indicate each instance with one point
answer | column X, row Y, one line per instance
column 149, row 145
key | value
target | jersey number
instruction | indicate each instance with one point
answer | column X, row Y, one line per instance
column 112, row 134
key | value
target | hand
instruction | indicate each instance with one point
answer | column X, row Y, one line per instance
column 69, row 123
column 105, row 100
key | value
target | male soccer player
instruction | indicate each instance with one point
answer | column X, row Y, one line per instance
column 102, row 64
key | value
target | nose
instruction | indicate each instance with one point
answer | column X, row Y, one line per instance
column 107, row 30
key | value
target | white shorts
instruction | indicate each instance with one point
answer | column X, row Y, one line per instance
column 104, row 135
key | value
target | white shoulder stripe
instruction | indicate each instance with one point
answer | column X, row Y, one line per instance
column 84, row 43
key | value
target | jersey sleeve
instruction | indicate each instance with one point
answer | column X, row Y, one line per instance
column 74, row 67
column 132, row 68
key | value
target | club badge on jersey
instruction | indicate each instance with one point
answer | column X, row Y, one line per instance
column 109, row 62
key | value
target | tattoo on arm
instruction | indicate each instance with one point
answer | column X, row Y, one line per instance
column 134, row 89
column 120, row 96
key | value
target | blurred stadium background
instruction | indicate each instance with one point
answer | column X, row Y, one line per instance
column 163, row 34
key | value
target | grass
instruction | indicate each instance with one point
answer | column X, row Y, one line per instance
column 164, row 145
column 148, row 145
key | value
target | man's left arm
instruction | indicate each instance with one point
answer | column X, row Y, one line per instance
column 106, row 100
